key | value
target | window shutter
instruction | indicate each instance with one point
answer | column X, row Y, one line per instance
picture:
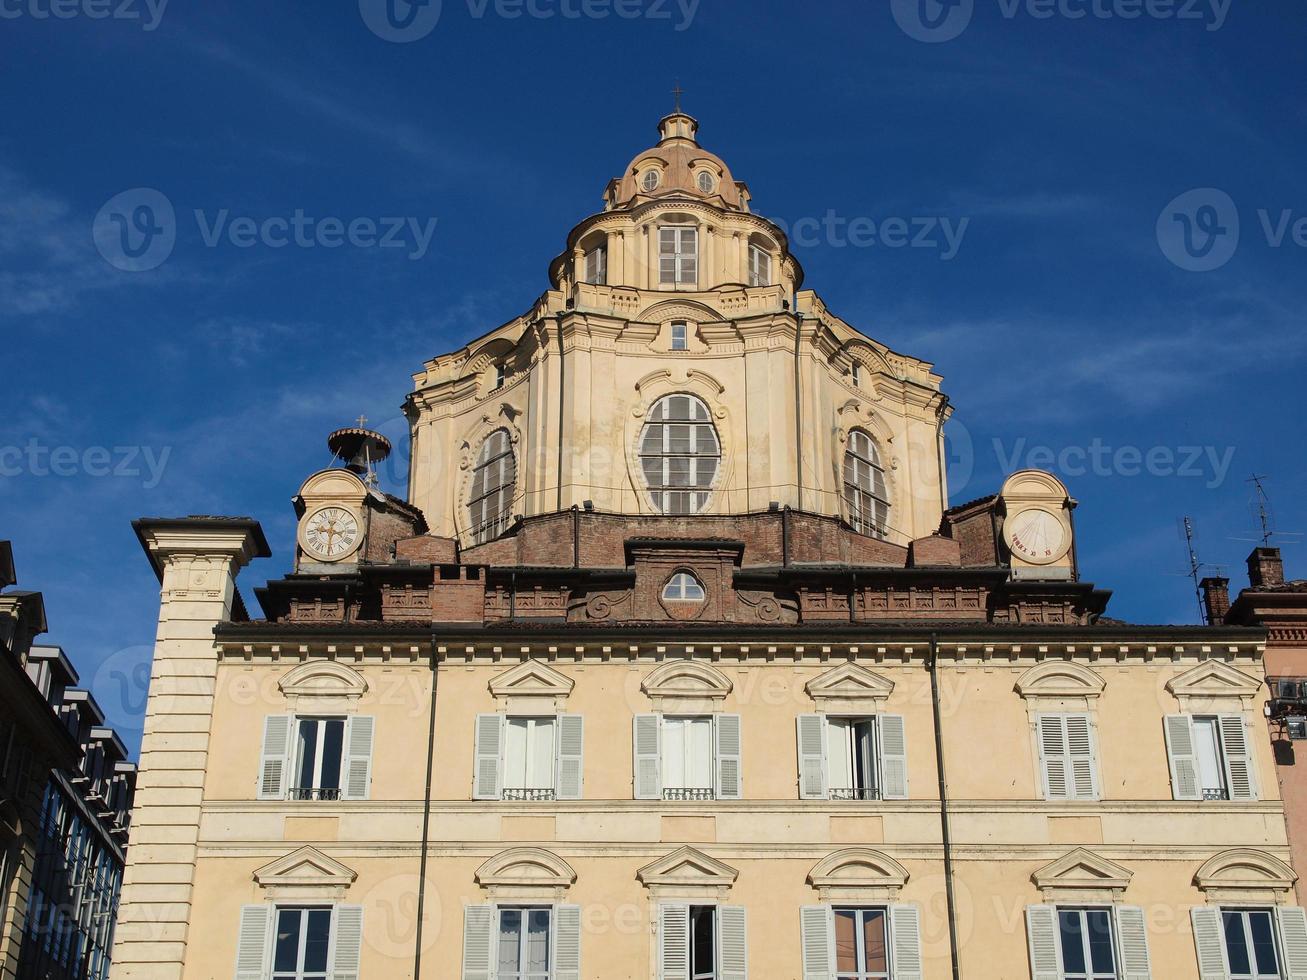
column 818, row 929
column 276, row 756
column 1080, row 750
column 571, row 751
column 478, row 942
column 346, row 941
column 812, row 758
column 732, row 943
column 358, row 757
column 1238, row 760
column 1293, row 937
column 1052, row 757
column 647, row 750
column 252, row 943
column 567, row 942
column 1184, row 760
column 1041, row 931
column 1132, row 942
column 893, row 745
column 489, row 749
column 905, row 941
column 1209, row 944
column 726, row 730
column 674, row 942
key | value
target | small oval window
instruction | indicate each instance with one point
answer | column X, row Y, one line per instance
column 706, row 182
column 651, row 180
column 683, row 587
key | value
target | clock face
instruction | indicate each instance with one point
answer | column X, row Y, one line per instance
column 331, row 533
column 1038, row 536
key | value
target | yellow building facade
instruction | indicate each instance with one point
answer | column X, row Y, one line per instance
column 676, row 664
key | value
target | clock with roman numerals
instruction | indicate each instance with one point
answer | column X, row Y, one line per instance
column 330, row 533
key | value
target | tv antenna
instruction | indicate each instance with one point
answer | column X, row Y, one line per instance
column 1195, row 568
column 1265, row 514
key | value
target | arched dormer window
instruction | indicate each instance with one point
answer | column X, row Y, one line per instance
column 680, row 454
column 494, row 479
column 865, row 492
column 683, row 587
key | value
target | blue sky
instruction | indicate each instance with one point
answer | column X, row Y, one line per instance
column 1063, row 320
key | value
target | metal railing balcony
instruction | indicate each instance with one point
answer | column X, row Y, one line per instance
column 687, row 793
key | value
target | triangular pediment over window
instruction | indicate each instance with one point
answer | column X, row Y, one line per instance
column 1082, row 873
column 688, row 873
column 305, row 873
column 1213, row 681
column 849, row 682
column 532, row 679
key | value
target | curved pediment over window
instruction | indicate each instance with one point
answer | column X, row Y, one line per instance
column 686, row 684
column 318, row 679
column 1060, row 679
column 526, row 872
column 1245, row 874
column 858, row 874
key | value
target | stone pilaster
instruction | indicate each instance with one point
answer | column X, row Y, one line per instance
column 197, row 560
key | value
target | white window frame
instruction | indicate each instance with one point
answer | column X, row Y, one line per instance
column 299, row 972
column 501, row 375
column 1244, row 912
column 872, row 792
column 524, row 792
column 862, row 973
column 1089, row 973
column 680, row 335
column 760, row 263
column 646, row 184
column 486, row 521
column 725, row 757
column 867, row 500
column 688, row 721
column 596, row 265
column 315, row 788
column 684, row 587
column 525, row 911
column 696, row 495
column 707, row 176
column 678, row 255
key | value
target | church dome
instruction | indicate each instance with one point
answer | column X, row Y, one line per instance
column 678, row 167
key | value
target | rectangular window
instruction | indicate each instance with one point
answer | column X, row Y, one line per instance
column 703, row 942
column 680, row 336
column 319, row 752
column 861, row 951
column 1085, row 937
column 596, row 266
column 687, row 758
column 523, row 943
column 759, row 267
column 856, row 374
column 1249, row 936
column 501, row 375
column 302, row 943
column 529, row 759
column 678, row 256
column 1067, row 758
column 1210, row 761
column 851, row 755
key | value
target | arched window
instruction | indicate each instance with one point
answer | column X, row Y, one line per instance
column 490, row 502
column 680, row 454
column 865, row 491
column 683, row 587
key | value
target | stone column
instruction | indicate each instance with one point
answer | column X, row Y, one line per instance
column 197, row 560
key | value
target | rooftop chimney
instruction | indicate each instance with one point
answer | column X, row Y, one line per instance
column 1216, row 598
column 1265, row 568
